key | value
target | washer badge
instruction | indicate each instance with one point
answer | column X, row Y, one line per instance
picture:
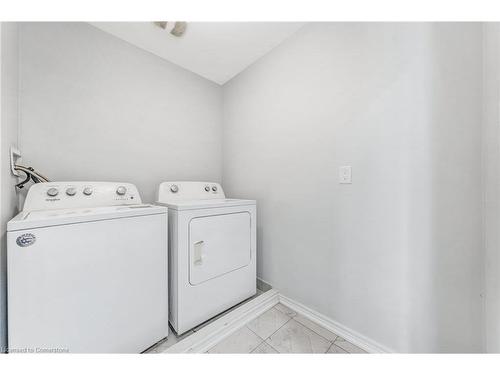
column 26, row 239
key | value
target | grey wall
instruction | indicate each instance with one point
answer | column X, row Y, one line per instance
column 97, row 108
column 491, row 180
column 396, row 256
column 8, row 137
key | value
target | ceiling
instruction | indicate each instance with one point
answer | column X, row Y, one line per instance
column 215, row 50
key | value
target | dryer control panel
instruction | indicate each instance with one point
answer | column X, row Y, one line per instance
column 74, row 194
column 175, row 191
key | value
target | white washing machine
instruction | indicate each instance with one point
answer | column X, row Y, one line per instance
column 212, row 251
column 87, row 270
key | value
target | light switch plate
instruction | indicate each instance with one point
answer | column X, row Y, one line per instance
column 345, row 174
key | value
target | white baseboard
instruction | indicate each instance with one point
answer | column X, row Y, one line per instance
column 207, row 337
column 212, row 334
column 350, row 335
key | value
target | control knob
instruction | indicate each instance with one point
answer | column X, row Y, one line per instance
column 71, row 191
column 121, row 190
column 52, row 192
column 174, row 188
column 87, row 191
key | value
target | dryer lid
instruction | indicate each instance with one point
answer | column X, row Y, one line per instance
column 207, row 203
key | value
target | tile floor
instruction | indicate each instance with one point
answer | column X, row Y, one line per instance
column 278, row 330
column 174, row 339
column 281, row 330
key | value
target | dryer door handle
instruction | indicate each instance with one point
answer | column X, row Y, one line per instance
column 198, row 253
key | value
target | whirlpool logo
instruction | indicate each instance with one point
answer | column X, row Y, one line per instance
column 26, row 239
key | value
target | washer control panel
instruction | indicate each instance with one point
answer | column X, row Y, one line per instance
column 56, row 195
column 172, row 191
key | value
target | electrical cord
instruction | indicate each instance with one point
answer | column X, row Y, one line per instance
column 25, row 181
column 31, row 171
column 31, row 174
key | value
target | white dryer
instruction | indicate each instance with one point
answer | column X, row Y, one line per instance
column 212, row 251
column 87, row 270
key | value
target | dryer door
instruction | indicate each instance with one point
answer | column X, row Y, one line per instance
column 218, row 244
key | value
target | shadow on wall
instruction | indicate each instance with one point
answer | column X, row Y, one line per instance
column 446, row 264
column 8, row 137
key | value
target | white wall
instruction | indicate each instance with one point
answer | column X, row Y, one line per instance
column 8, row 137
column 396, row 256
column 97, row 108
column 491, row 179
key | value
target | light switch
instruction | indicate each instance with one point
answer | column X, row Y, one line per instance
column 345, row 175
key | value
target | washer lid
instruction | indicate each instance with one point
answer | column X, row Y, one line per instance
column 46, row 218
column 207, row 203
